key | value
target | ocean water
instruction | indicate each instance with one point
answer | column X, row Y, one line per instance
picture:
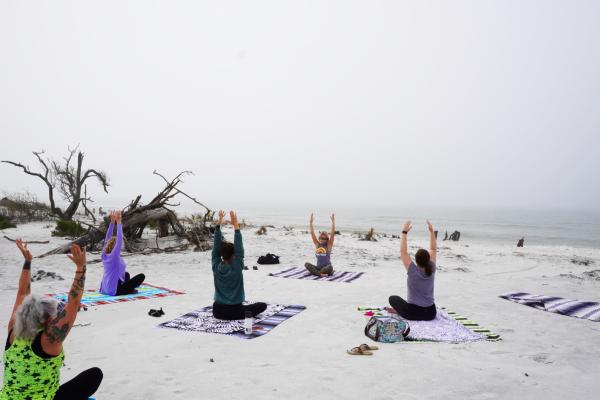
column 574, row 228
column 538, row 227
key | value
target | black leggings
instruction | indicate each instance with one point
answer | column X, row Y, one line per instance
column 237, row 311
column 325, row 270
column 130, row 284
column 81, row 387
column 412, row 311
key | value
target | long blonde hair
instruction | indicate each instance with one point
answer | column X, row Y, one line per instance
column 110, row 245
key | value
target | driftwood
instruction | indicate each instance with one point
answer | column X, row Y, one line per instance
column 28, row 241
column 136, row 217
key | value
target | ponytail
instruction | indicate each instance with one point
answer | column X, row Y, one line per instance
column 423, row 260
column 428, row 270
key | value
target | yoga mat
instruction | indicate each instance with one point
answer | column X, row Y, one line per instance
column 571, row 308
column 202, row 321
column 447, row 326
column 95, row 298
column 302, row 273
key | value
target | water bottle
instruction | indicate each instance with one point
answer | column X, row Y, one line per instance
column 248, row 321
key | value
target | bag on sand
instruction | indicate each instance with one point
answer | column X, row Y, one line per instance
column 389, row 329
column 268, row 259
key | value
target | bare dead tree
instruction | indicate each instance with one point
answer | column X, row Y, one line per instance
column 137, row 216
column 67, row 178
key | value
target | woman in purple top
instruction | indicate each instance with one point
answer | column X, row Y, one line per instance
column 324, row 246
column 420, row 280
column 115, row 281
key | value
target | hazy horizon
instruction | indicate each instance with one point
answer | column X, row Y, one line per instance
column 339, row 104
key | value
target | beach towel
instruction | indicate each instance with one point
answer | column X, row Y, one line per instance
column 202, row 320
column 572, row 308
column 95, row 298
column 302, row 273
column 447, row 326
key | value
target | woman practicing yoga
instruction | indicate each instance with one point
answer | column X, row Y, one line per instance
column 115, row 281
column 324, row 245
column 37, row 329
column 227, row 266
column 420, row 279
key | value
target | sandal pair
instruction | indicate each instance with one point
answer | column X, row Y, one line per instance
column 362, row 350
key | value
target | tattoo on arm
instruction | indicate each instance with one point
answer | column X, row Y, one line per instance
column 55, row 332
column 78, row 285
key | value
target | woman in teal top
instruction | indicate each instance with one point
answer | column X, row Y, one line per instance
column 227, row 266
column 37, row 329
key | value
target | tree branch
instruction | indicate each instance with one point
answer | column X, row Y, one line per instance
column 179, row 191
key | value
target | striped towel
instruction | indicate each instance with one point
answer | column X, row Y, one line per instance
column 203, row 321
column 572, row 308
column 302, row 273
column 266, row 325
column 95, row 298
column 447, row 326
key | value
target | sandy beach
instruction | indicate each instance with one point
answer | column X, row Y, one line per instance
column 541, row 355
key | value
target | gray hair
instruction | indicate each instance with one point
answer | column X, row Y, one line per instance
column 33, row 314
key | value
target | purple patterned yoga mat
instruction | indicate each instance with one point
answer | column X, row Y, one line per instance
column 266, row 325
column 443, row 328
column 202, row 321
column 302, row 273
column 571, row 308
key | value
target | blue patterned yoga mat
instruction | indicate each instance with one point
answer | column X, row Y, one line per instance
column 95, row 298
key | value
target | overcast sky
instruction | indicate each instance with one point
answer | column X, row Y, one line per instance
column 475, row 103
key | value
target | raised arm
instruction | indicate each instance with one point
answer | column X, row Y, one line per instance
column 432, row 243
column 217, row 238
column 57, row 330
column 406, row 260
column 312, row 230
column 332, row 235
column 119, row 243
column 24, row 282
column 110, row 230
column 238, row 244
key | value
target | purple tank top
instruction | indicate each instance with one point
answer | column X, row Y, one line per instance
column 420, row 286
column 323, row 256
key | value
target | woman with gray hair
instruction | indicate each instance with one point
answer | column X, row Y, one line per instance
column 36, row 331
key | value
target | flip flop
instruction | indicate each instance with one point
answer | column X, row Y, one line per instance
column 366, row 347
column 356, row 351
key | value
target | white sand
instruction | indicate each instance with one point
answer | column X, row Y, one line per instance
column 305, row 356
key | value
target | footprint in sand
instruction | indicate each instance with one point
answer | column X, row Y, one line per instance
column 542, row 358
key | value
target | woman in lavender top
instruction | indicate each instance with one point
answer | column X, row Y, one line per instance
column 324, row 246
column 115, row 281
column 420, row 279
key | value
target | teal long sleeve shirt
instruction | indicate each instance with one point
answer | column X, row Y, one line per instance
column 228, row 278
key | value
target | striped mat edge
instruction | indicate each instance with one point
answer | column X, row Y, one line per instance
column 473, row 326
